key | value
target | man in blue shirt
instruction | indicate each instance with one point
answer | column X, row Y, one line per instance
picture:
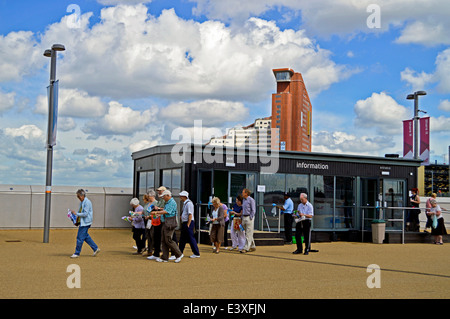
column 85, row 212
column 287, row 210
column 167, row 243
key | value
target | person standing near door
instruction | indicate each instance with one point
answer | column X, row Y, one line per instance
column 248, row 220
column 303, row 225
column 287, row 209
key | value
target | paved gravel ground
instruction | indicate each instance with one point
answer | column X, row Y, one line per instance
column 32, row 269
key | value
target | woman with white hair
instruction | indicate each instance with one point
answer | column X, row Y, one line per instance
column 138, row 225
column 438, row 226
column 218, row 224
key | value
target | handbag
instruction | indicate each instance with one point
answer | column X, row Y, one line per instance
column 237, row 222
column 171, row 222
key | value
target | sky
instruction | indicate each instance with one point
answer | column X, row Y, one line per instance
column 135, row 71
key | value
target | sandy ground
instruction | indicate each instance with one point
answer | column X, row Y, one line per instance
column 32, row 269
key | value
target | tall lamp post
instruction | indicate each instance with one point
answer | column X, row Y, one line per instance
column 415, row 97
column 51, row 133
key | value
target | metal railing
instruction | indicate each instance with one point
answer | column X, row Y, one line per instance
column 379, row 211
column 380, row 214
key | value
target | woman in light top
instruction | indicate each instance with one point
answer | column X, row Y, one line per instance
column 438, row 227
column 218, row 224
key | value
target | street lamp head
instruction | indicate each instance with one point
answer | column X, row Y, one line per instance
column 58, row 47
column 410, row 97
column 420, row 93
column 48, row 53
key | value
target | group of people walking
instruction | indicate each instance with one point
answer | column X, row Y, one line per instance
column 154, row 224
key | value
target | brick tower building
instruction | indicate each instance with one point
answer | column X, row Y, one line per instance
column 291, row 112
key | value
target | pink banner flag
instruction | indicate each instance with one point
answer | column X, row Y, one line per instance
column 408, row 134
column 425, row 140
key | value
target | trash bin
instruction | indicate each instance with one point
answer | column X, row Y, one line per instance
column 378, row 230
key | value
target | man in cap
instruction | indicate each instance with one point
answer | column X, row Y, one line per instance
column 187, row 225
column 167, row 242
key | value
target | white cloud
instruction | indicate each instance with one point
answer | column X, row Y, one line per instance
column 66, row 124
column 211, row 112
column 142, row 145
column 28, row 132
column 344, row 143
column 20, row 55
column 423, row 21
column 73, row 103
column 440, row 124
column 6, row 101
column 133, row 54
column 415, row 80
column 382, row 112
column 427, row 34
column 116, row 2
column 444, row 105
column 119, row 120
column 441, row 74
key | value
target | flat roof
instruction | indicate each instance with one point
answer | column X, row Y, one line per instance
column 167, row 148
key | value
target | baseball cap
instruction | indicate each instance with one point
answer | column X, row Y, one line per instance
column 184, row 193
column 166, row 192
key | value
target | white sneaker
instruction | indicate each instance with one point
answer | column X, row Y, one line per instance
column 161, row 260
column 96, row 252
column 74, row 256
column 179, row 259
column 194, row 256
column 152, row 257
column 172, row 258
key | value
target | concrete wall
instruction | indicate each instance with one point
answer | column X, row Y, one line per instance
column 22, row 206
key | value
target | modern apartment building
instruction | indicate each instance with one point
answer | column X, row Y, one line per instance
column 289, row 126
column 291, row 112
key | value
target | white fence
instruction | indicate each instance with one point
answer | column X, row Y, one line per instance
column 22, row 206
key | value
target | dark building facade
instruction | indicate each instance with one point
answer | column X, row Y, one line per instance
column 345, row 190
column 437, row 179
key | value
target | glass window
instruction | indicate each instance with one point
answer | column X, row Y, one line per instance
column 345, row 202
column 150, row 180
column 323, row 201
column 283, row 76
column 171, row 179
column 167, row 178
column 146, row 182
column 295, row 185
column 142, row 183
column 176, row 178
column 275, row 185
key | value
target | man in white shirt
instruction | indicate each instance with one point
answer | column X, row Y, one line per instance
column 303, row 224
column 187, row 225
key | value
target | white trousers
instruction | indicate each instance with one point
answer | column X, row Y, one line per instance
column 237, row 237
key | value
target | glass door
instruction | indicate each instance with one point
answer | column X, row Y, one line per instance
column 205, row 194
column 370, row 200
column 393, row 196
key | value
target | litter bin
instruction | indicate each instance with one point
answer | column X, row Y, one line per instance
column 378, row 230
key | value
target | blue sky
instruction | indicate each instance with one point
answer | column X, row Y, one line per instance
column 134, row 71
